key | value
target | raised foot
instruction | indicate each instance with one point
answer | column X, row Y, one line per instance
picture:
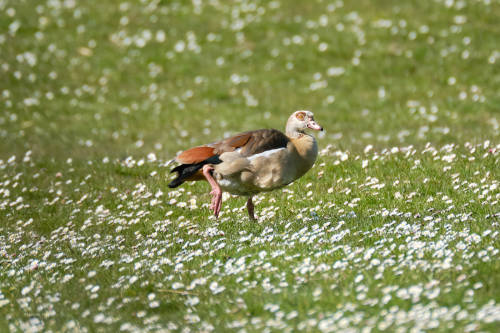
column 216, row 202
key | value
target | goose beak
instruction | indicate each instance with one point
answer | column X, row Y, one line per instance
column 314, row 126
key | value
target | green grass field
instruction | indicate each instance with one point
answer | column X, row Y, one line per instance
column 395, row 228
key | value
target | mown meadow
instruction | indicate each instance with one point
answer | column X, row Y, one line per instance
column 395, row 228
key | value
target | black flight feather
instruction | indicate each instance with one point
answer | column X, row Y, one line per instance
column 185, row 171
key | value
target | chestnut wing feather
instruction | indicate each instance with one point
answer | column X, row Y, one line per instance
column 250, row 143
column 195, row 155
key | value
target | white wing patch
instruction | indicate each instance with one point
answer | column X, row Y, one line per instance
column 266, row 153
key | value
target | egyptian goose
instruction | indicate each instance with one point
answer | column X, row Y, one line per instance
column 251, row 162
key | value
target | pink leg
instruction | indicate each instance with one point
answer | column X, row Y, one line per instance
column 250, row 208
column 216, row 192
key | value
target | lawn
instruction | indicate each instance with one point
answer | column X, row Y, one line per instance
column 395, row 228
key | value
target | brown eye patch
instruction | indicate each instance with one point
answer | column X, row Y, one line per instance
column 300, row 115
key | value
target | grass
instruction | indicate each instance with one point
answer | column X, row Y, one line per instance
column 395, row 228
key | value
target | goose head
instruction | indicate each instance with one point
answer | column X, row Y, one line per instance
column 300, row 121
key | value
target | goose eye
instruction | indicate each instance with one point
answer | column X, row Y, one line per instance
column 300, row 116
